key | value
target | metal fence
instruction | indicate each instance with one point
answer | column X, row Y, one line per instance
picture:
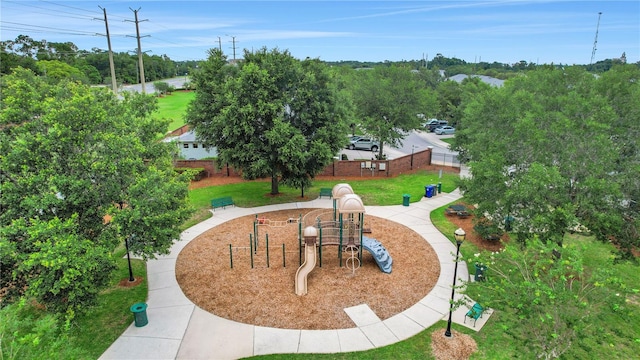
column 445, row 159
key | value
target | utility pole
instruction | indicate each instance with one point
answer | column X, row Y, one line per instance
column 140, row 62
column 219, row 43
column 593, row 53
column 233, row 38
column 114, row 83
column 135, row 52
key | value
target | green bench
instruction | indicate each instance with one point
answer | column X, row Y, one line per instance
column 326, row 192
column 474, row 313
column 222, row 202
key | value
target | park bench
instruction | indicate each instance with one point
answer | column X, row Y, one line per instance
column 474, row 313
column 222, row 202
column 326, row 192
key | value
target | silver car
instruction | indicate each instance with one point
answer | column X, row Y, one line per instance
column 445, row 130
column 364, row 144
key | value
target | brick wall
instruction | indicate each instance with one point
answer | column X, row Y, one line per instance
column 420, row 160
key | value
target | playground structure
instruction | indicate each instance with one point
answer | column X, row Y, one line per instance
column 344, row 229
column 254, row 243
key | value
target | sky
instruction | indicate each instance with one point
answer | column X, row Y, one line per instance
column 505, row 31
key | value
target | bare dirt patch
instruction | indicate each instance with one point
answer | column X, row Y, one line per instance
column 265, row 296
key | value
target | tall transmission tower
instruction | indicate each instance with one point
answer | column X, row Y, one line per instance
column 595, row 41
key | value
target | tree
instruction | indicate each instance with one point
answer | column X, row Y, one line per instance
column 70, row 156
column 541, row 151
column 548, row 301
column 272, row 116
column 620, row 87
column 388, row 100
column 55, row 70
column 161, row 87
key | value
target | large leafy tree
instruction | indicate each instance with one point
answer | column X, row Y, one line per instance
column 70, row 156
column 270, row 115
column 548, row 301
column 388, row 100
column 541, row 151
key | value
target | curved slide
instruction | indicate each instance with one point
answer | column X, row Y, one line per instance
column 304, row 270
column 380, row 254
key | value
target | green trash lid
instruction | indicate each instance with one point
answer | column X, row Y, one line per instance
column 138, row 307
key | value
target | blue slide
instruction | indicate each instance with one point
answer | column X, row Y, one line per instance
column 380, row 254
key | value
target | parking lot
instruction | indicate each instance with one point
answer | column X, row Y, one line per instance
column 415, row 141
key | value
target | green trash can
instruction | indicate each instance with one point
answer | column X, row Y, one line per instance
column 405, row 199
column 480, row 269
column 439, row 188
column 139, row 311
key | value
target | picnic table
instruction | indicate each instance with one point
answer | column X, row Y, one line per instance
column 457, row 209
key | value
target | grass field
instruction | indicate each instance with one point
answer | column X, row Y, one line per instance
column 382, row 191
column 174, row 107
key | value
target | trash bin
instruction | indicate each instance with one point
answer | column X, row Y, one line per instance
column 405, row 199
column 439, row 187
column 480, row 269
column 507, row 223
column 429, row 190
column 139, row 311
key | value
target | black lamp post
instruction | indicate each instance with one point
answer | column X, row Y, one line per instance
column 126, row 244
column 459, row 235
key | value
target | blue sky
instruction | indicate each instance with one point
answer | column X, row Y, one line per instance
column 473, row 30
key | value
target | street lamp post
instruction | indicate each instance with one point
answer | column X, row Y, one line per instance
column 126, row 244
column 459, row 235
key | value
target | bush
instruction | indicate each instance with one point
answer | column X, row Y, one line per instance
column 29, row 333
column 487, row 229
column 197, row 174
column 161, row 87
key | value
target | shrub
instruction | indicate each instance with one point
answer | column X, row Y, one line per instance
column 488, row 229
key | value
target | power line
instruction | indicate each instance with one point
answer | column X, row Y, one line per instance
column 50, row 10
column 59, row 10
column 67, row 6
column 63, row 31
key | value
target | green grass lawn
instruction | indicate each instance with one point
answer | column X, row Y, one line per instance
column 173, row 107
column 381, row 191
column 448, row 140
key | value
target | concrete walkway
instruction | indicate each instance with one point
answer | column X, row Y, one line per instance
column 178, row 329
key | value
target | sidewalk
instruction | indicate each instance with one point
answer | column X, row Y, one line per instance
column 178, row 329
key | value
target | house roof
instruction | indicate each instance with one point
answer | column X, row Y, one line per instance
column 486, row 79
column 189, row 136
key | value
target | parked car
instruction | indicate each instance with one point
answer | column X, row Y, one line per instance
column 445, row 130
column 364, row 144
column 430, row 122
column 433, row 124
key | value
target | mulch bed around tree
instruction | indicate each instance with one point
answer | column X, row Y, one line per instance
column 466, row 224
column 126, row 283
